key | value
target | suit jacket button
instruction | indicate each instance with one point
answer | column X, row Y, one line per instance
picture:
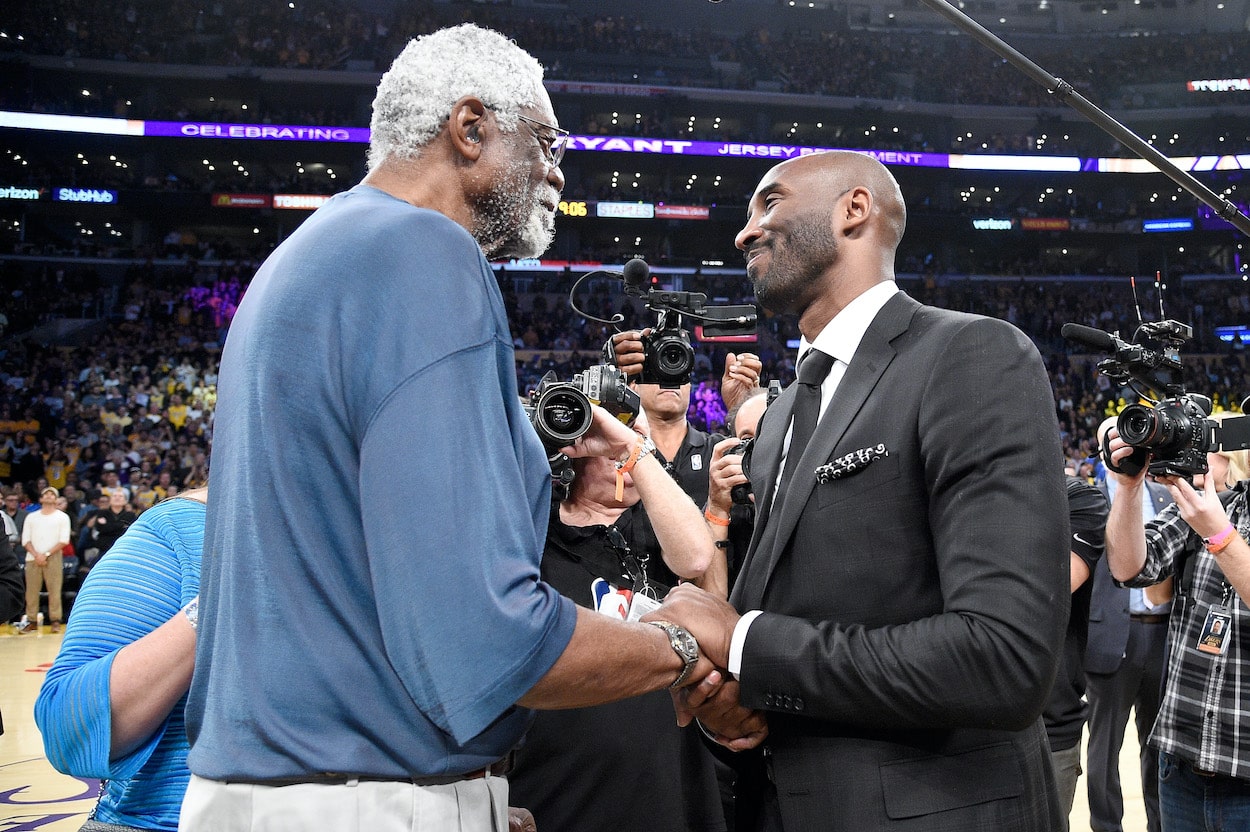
column 768, row 700
column 785, row 702
column 798, row 703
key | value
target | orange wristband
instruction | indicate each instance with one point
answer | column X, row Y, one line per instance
column 713, row 519
column 642, row 448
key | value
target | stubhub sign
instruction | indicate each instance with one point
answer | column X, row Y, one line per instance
column 97, row 195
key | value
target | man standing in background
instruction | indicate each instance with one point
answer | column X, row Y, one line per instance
column 44, row 535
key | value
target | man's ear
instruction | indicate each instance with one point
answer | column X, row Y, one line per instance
column 466, row 127
column 854, row 209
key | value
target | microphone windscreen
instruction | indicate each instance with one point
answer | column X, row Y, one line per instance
column 636, row 273
column 1088, row 336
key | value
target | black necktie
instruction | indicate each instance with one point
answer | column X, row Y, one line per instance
column 813, row 369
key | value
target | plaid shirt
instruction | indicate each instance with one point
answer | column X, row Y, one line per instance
column 1205, row 714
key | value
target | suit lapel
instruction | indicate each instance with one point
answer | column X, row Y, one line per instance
column 765, row 466
column 774, row 529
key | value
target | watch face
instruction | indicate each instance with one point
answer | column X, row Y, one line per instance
column 686, row 644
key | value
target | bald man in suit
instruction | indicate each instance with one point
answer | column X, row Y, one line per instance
column 896, row 626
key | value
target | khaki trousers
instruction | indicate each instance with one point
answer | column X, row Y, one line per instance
column 36, row 576
column 464, row 806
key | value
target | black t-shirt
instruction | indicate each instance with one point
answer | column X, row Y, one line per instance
column 110, row 526
column 1066, row 710
column 690, row 467
column 692, row 464
column 626, row 766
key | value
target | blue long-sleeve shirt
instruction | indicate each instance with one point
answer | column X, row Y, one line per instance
column 148, row 575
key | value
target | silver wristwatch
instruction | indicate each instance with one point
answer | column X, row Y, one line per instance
column 684, row 645
column 192, row 612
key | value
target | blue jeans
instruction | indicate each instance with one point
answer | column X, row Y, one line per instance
column 1192, row 802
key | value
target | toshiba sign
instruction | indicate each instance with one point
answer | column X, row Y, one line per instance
column 300, row 202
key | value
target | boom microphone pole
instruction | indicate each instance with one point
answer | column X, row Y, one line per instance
column 1226, row 210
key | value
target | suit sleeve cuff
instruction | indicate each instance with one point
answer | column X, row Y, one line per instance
column 739, row 640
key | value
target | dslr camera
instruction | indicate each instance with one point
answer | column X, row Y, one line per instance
column 1175, row 432
column 668, row 357
column 560, row 411
column 740, row 494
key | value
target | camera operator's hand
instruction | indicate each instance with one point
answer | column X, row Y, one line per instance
column 1202, row 510
column 608, row 436
column 741, row 376
column 1119, row 450
column 725, row 473
column 629, row 351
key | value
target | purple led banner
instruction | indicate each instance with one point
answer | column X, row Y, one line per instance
column 609, row 144
column 272, row 132
column 679, row 147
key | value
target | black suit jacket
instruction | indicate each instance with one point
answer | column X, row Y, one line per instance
column 1109, row 605
column 914, row 609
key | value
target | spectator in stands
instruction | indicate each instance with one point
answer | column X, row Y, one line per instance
column 107, row 526
column 15, row 508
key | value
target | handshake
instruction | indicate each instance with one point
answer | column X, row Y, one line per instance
column 711, row 698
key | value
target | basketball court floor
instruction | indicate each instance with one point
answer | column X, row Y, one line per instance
column 36, row 798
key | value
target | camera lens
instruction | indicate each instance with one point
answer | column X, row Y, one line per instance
column 1140, row 426
column 562, row 415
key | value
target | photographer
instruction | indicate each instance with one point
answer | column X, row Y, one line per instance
column 577, row 768
column 730, row 499
column 1204, row 758
column 684, row 449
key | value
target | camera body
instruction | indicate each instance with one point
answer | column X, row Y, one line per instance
column 740, row 495
column 668, row 357
column 1175, row 432
column 560, row 411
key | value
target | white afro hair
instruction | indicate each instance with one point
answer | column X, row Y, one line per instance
column 433, row 72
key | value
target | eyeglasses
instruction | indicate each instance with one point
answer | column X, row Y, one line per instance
column 553, row 145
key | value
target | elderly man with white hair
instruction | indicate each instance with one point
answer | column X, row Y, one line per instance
column 371, row 642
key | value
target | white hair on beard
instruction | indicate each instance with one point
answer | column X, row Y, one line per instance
column 433, row 72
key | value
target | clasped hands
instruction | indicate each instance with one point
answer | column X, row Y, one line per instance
column 712, row 699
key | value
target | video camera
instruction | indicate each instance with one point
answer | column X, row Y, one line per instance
column 668, row 357
column 560, row 411
column 1175, row 432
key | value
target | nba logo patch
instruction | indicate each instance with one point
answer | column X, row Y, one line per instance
column 696, row 462
column 609, row 600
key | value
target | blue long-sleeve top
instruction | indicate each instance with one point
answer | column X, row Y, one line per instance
column 148, row 575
